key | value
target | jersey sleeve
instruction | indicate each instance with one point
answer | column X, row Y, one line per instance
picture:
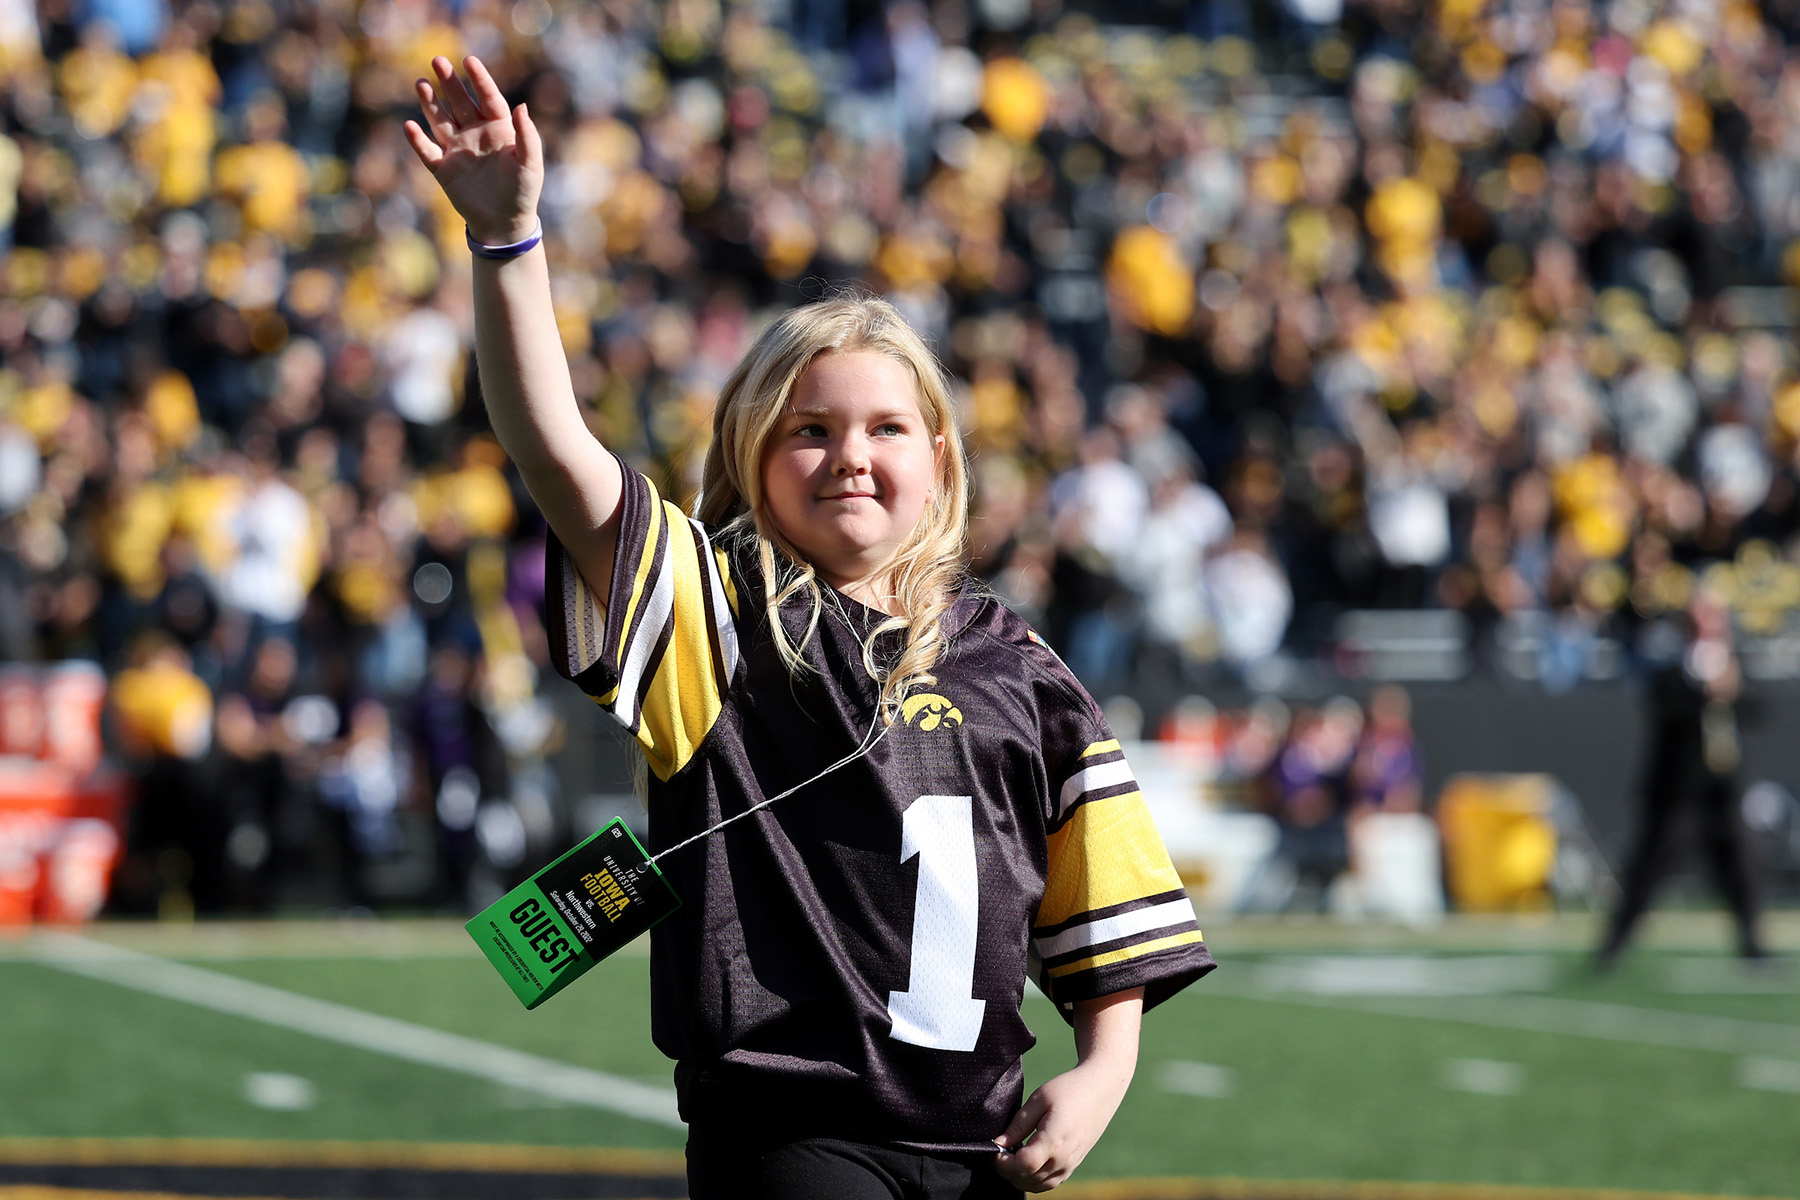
column 1114, row 914
column 661, row 654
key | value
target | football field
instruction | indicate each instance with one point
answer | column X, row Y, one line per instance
column 386, row 1058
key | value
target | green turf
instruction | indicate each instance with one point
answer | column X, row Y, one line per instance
column 603, row 1022
column 88, row 1059
column 1323, row 1090
column 1330, row 1094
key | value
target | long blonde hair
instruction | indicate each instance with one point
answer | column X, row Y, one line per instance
column 925, row 572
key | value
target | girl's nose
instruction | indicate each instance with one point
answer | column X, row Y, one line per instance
column 852, row 458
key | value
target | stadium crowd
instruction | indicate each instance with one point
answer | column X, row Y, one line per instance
column 1259, row 315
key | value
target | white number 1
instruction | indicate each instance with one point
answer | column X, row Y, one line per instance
column 937, row 1009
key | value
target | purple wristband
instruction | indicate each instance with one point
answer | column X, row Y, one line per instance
column 504, row 252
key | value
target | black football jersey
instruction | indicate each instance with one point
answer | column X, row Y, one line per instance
column 857, row 952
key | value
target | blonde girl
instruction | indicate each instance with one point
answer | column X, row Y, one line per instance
column 841, row 989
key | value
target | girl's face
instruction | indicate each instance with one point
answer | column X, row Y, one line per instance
column 849, row 469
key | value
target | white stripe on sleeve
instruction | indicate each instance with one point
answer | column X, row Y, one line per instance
column 657, row 607
column 1106, row 929
column 722, row 618
column 1095, row 777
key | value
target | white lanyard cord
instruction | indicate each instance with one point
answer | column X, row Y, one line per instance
column 868, row 744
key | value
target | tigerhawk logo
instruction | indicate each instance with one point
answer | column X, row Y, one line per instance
column 934, row 708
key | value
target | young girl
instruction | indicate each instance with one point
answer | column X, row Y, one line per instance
column 841, row 988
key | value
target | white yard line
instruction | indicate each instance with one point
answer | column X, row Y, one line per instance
column 1769, row 1075
column 353, row 1027
column 1207, row 1080
column 1482, row 1076
column 1571, row 1018
column 1617, row 1022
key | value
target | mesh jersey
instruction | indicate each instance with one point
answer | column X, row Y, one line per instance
column 860, row 948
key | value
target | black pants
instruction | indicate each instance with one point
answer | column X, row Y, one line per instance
column 727, row 1167
column 1727, row 852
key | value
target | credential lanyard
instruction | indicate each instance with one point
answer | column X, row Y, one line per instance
column 868, row 744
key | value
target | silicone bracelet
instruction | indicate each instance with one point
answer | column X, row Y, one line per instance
column 505, row 252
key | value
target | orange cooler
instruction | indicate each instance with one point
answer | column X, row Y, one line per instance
column 59, row 835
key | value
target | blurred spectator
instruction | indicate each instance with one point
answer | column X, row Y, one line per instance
column 1387, row 775
column 261, row 826
column 460, row 761
column 274, row 561
column 163, row 715
column 1409, row 516
column 1167, row 562
column 422, row 352
column 1309, row 785
column 1250, row 598
column 365, row 779
column 1097, row 507
column 136, row 23
column 1692, row 764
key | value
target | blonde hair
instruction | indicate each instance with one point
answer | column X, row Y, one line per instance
column 926, row 570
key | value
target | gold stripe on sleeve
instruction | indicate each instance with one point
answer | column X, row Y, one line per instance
column 1186, row 937
column 680, row 701
column 1106, row 747
column 1109, row 853
column 725, row 578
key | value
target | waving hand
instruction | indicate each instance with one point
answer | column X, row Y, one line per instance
column 490, row 162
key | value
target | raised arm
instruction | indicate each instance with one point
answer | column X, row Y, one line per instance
column 490, row 163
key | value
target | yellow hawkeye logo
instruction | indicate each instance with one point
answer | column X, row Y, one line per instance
column 935, row 709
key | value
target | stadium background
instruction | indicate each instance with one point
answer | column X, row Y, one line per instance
column 1303, row 349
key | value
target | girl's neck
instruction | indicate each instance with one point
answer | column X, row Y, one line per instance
column 871, row 591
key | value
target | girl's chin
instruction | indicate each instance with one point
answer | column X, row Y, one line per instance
column 851, row 529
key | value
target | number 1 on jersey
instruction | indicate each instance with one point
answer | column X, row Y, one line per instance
column 938, row 1009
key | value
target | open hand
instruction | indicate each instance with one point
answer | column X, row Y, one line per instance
column 490, row 162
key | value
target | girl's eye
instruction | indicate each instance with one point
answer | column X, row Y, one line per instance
column 893, row 430
column 810, row 431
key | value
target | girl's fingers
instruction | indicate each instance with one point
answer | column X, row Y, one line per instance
column 531, row 146
column 1025, row 1120
column 441, row 123
column 486, row 93
column 424, row 147
column 454, row 95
